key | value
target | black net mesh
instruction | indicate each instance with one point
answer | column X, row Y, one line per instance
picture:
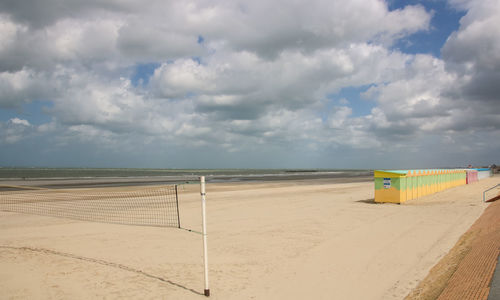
column 151, row 206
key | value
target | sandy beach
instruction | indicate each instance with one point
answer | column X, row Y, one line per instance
column 309, row 239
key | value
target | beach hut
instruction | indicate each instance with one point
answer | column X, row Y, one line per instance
column 390, row 186
column 483, row 173
column 472, row 175
column 398, row 186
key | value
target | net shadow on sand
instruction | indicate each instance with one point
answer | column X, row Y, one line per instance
column 101, row 262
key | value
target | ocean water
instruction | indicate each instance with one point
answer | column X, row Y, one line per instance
column 80, row 173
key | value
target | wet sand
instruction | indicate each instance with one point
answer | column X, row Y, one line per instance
column 58, row 183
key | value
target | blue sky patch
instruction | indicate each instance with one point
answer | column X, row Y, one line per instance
column 35, row 112
column 360, row 107
column 444, row 21
column 143, row 72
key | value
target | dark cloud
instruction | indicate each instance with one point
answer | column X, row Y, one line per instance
column 241, row 111
column 44, row 13
column 473, row 54
column 153, row 42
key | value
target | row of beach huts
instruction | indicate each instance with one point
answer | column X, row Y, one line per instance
column 398, row 186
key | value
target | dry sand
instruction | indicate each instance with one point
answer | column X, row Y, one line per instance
column 279, row 240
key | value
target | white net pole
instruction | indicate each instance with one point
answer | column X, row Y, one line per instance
column 204, row 218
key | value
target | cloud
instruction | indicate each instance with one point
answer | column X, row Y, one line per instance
column 473, row 52
column 453, row 96
column 17, row 121
column 81, row 43
column 144, row 41
column 14, row 130
column 51, row 32
column 45, row 13
column 246, row 77
column 24, row 86
column 242, row 85
column 411, row 96
column 268, row 28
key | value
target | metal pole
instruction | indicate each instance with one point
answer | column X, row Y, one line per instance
column 177, row 203
column 204, row 218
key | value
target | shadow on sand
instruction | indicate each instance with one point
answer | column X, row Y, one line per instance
column 101, row 262
column 368, row 201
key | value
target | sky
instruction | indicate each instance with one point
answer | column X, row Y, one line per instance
column 249, row 84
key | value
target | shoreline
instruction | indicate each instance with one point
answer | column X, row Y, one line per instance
column 58, row 183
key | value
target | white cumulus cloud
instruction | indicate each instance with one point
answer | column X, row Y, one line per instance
column 240, row 75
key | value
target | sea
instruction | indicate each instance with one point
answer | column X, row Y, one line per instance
column 141, row 176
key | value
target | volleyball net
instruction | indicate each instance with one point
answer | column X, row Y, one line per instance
column 144, row 206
